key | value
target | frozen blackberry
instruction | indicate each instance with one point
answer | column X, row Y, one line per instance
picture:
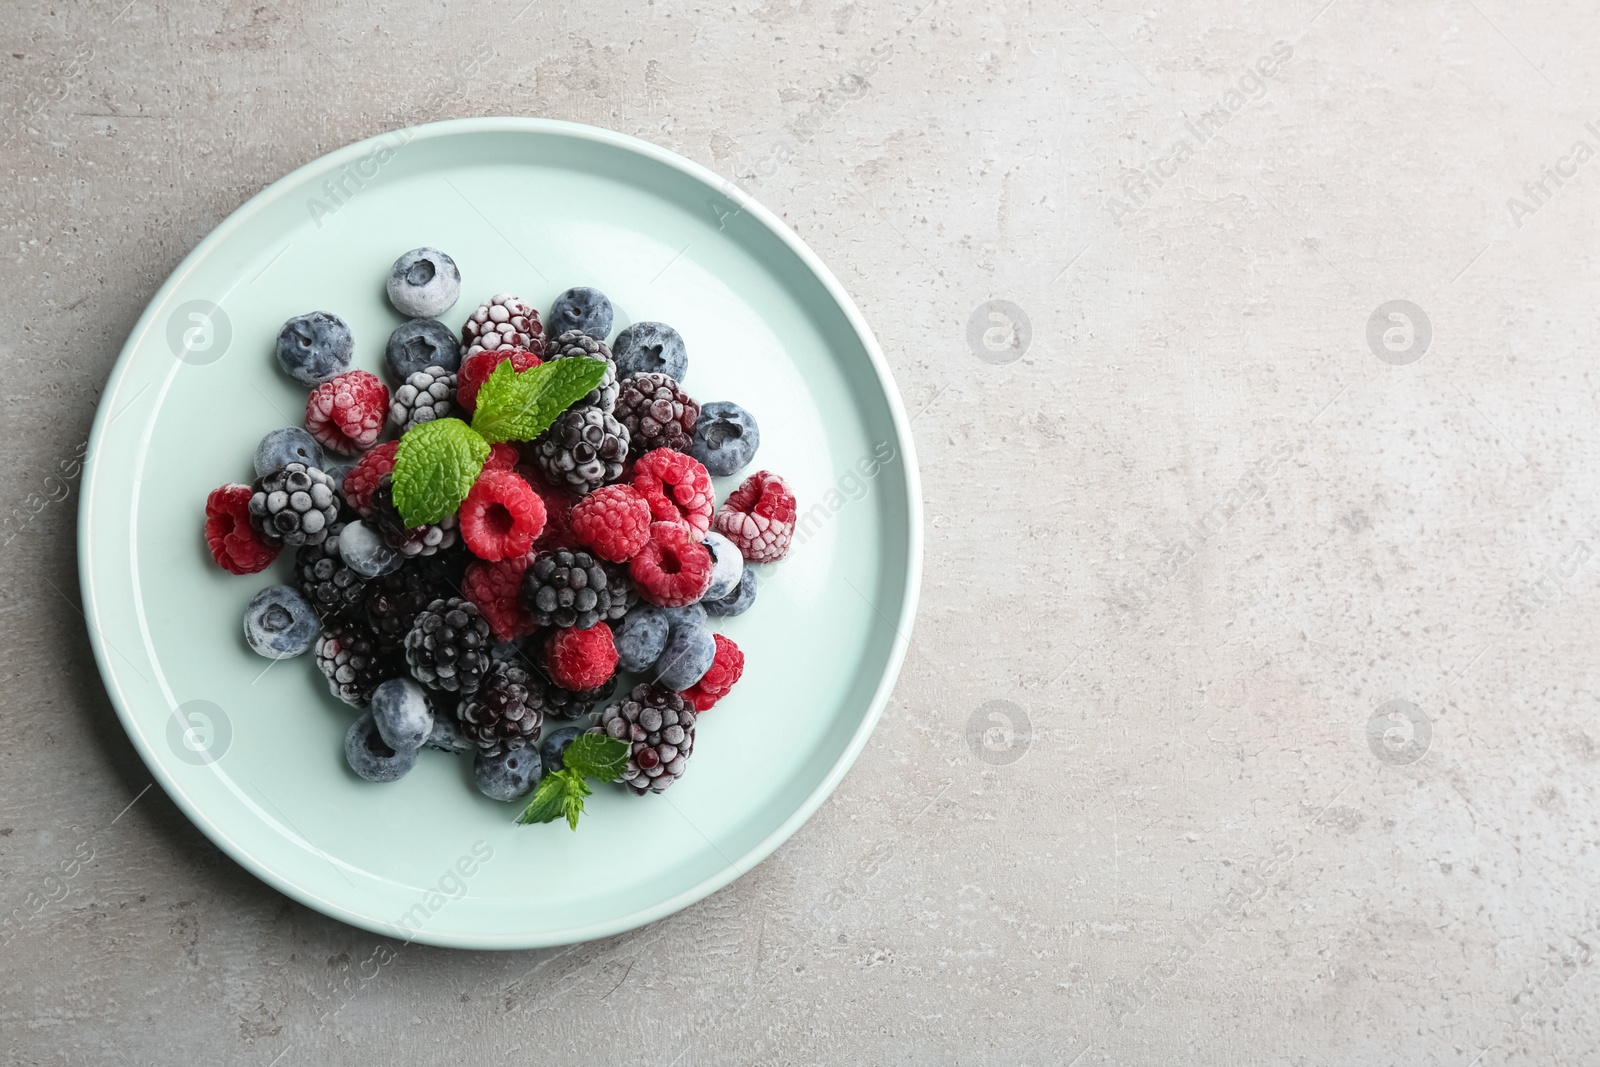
column 657, row 413
column 448, row 646
column 331, row 586
column 582, row 450
column 350, row 659
column 506, row 711
column 570, row 588
column 393, row 601
column 408, row 541
column 659, row 729
column 563, row 703
column 294, row 505
column 577, row 343
column 426, row 395
column 503, row 321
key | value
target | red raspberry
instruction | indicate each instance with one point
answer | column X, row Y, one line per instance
column 673, row 568
column 347, row 413
column 614, row 520
column 581, row 659
column 363, row 478
column 557, row 512
column 234, row 543
column 475, row 370
column 725, row 670
column 496, row 588
column 758, row 517
column 501, row 516
column 676, row 487
column 502, row 457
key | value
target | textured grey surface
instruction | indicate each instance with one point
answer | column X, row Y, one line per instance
column 1199, row 534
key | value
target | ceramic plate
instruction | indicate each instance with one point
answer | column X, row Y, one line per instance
column 252, row 751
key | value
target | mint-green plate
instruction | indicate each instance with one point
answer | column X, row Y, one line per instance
column 252, row 751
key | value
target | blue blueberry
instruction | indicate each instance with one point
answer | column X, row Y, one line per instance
column 688, row 655
column 727, row 566
column 554, row 746
column 641, row 637
column 403, row 712
column 650, row 348
column 420, row 344
column 581, row 308
column 424, row 283
column 315, row 348
column 364, row 552
column 370, row 756
column 508, row 775
column 282, row 447
column 280, row 623
column 447, row 735
column 725, row 438
column 737, row 602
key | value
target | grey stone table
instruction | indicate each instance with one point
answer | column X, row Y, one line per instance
column 1250, row 714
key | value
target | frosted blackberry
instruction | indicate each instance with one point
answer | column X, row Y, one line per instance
column 350, row 659
column 563, row 703
column 503, row 321
column 408, row 541
column 331, row 586
column 426, row 395
column 659, row 729
column 571, row 588
column 294, row 506
column 657, row 413
column 506, row 711
column 394, row 601
column 577, row 343
column 448, row 646
column 582, row 450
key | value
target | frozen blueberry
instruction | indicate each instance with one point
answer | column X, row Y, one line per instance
column 420, row 344
column 725, row 438
column 688, row 655
column 423, row 283
column 509, row 775
column 737, row 602
column 447, row 735
column 403, row 712
column 315, row 348
column 364, row 552
column 554, row 746
column 280, row 623
column 727, row 566
column 337, row 471
column 641, row 637
column 583, row 309
column 282, row 447
column 650, row 348
column 370, row 756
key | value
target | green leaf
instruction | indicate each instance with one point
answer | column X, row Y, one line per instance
column 549, row 801
column 519, row 406
column 597, row 756
column 577, row 789
column 434, row 469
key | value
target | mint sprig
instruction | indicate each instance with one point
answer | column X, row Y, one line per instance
column 520, row 405
column 562, row 792
column 434, row 469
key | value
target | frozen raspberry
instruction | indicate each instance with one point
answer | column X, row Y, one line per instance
column 501, row 516
column 581, row 659
column 614, row 521
column 234, row 543
column 502, row 457
column 725, row 670
column 673, row 569
column 347, row 413
column 363, row 478
column 558, row 505
column 495, row 588
column 758, row 517
column 676, row 487
column 475, row 370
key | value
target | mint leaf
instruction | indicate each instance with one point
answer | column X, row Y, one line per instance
column 519, row 406
column 597, row 756
column 577, row 789
column 548, row 801
column 434, row 469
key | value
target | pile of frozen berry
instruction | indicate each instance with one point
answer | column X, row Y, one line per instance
column 539, row 529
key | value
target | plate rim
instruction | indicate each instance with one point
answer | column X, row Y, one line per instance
column 902, row 625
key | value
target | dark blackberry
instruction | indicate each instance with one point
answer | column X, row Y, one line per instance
column 448, row 646
column 408, row 541
column 351, row 660
column 577, row 343
column 506, row 711
column 657, row 413
column 332, row 587
column 572, row 588
column 393, row 601
column 294, row 505
column 562, row 703
column 582, row 450
column 659, row 729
